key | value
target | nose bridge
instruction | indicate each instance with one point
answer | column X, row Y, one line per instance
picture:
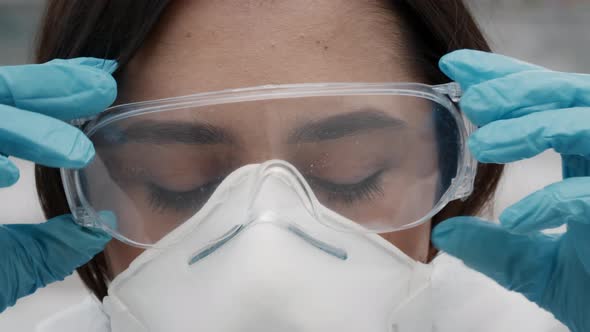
column 280, row 190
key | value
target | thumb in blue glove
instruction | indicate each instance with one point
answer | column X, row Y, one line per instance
column 34, row 102
column 523, row 110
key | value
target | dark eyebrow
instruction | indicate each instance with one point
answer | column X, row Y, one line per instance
column 343, row 125
column 164, row 132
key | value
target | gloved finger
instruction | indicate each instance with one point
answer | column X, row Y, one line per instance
column 517, row 262
column 34, row 255
column 9, row 173
column 578, row 233
column 567, row 131
column 524, row 93
column 42, row 139
column 560, row 203
column 470, row 67
column 574, row 165
column 64, row 89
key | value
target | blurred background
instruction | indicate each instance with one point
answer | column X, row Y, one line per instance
column 551, row 33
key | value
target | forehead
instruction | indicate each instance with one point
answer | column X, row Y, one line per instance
column 210, row 45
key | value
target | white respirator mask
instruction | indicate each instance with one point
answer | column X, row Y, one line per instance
column 259, row 256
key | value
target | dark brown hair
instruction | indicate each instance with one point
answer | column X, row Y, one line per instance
column 115, row 29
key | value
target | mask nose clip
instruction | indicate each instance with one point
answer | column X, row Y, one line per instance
column 280, row 187
column 280, row 196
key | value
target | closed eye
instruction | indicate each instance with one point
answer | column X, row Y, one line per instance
column 162, row 199
column 349, row 193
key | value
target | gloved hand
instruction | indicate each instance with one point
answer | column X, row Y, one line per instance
column 523, row 110
column 34, row 99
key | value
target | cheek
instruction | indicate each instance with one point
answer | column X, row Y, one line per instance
column 414, row 242
column 118, row 256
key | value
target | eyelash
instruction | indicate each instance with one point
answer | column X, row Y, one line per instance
column 367, row 189
column 162, row 199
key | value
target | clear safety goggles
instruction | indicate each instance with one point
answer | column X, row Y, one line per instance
column 386, row 156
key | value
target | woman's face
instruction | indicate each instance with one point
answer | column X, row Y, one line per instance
column 212, row 45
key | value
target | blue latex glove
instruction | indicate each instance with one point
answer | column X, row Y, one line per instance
column 34, row 99
column 523, row 110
